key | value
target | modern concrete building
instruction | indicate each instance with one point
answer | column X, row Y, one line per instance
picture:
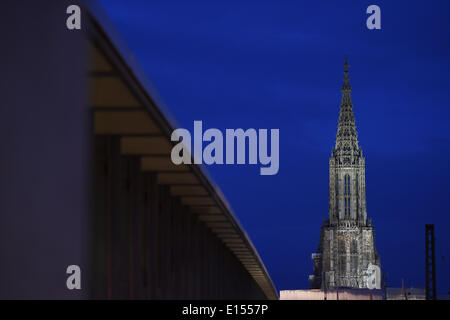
column 347, row 237
column 87, row 179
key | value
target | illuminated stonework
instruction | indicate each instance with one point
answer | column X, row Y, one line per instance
column 347, row 238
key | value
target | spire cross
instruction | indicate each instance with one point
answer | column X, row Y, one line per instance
column 346, row 65
column 346, row 86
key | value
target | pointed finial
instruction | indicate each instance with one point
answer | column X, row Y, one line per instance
column 346, row 65
column 346, row 85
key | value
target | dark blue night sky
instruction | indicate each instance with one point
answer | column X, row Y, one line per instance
column 278, row 64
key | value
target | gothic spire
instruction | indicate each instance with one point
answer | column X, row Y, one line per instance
column 347, row 200
column 346, row 138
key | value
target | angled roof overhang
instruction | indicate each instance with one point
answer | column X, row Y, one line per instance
column 126, row 104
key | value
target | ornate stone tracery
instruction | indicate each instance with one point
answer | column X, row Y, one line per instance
column 347, row 239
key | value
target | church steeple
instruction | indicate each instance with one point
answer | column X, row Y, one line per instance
column 347, row 172
column 346, row 146
column 347, row 239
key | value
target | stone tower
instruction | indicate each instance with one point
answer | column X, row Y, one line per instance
column 347, row 238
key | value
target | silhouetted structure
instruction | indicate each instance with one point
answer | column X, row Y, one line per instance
column 87, row 177
column 430, row 263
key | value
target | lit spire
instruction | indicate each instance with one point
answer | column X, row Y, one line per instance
column 347, row 137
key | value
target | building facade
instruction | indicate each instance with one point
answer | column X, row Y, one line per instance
column 87, row 178
column 347, row 238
